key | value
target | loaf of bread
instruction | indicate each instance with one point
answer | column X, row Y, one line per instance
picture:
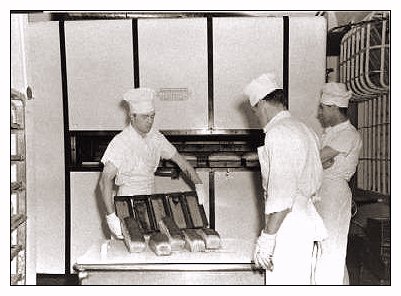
column 159, row 243
column 174, row 234
column 210, row 237
column 193, row 241
column 133, row 235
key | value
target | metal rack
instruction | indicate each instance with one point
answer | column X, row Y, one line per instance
column 364, row 57
column 364, row 68
column 18, row 215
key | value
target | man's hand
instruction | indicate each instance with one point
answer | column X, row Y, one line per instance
column 328, row 163
column 201, row 193
column 264, row 249
column 327, row 155
column 114, row 225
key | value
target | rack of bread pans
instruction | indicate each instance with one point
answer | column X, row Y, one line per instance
column 182, row 208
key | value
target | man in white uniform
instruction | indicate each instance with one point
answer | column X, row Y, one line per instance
column 133, row 155
column 341, row 144
column 291, row 176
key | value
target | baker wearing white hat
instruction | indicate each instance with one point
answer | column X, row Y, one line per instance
column 261, row 87
column 334, row 97
column 142, row 109
column 132, row 156
column 341, row 144
column 291, row 174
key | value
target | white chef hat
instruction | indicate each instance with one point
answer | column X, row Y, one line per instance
column 140, row 100
column 334, row 93
column 260, row 87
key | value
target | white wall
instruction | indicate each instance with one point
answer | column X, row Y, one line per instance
column 173, row 55
column 307, row 67
column 100, row 70
column 46, row 146
column 244, row 48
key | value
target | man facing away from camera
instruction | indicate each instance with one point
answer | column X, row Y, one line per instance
column 291, row 175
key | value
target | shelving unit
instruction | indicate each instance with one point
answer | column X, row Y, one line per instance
column 18, row 215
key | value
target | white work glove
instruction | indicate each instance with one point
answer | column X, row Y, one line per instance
column 114, row 225
column 264, row 249
column 201, row 193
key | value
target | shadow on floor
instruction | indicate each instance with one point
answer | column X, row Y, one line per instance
column 56, row 280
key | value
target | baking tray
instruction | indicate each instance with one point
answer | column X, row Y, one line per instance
column 183, row 207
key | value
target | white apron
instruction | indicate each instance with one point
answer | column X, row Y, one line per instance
column 138, row 178
column 335, row 207
column 335, row 203
column 302, row 226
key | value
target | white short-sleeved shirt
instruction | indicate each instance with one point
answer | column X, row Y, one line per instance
column 293, row 162
column 345, row 139
column 136, row 159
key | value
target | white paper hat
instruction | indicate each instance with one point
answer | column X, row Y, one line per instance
column 140, row 100
column 260, row 87
column 334, row 93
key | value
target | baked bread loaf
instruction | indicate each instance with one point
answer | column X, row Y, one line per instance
column 193, row 241
column 133, row 235
column 210, row 237
column 159, row 243
column 174, row 234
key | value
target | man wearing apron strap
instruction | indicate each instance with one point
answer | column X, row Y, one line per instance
column 341, row 144
column 291, row 176
column 132, row 157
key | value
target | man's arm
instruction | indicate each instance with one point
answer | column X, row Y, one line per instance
column 106, row 188
column 106, row 185
column 327, row 155
column 190, row 172
column 186, row 168
column 273, row 221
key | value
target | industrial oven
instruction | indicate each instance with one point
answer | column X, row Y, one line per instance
column 198, row 66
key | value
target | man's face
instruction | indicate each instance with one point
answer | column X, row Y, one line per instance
column 325, row 115
column 260, row 111
column 143, row 122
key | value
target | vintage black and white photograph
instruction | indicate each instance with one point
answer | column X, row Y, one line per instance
column 200, row 148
